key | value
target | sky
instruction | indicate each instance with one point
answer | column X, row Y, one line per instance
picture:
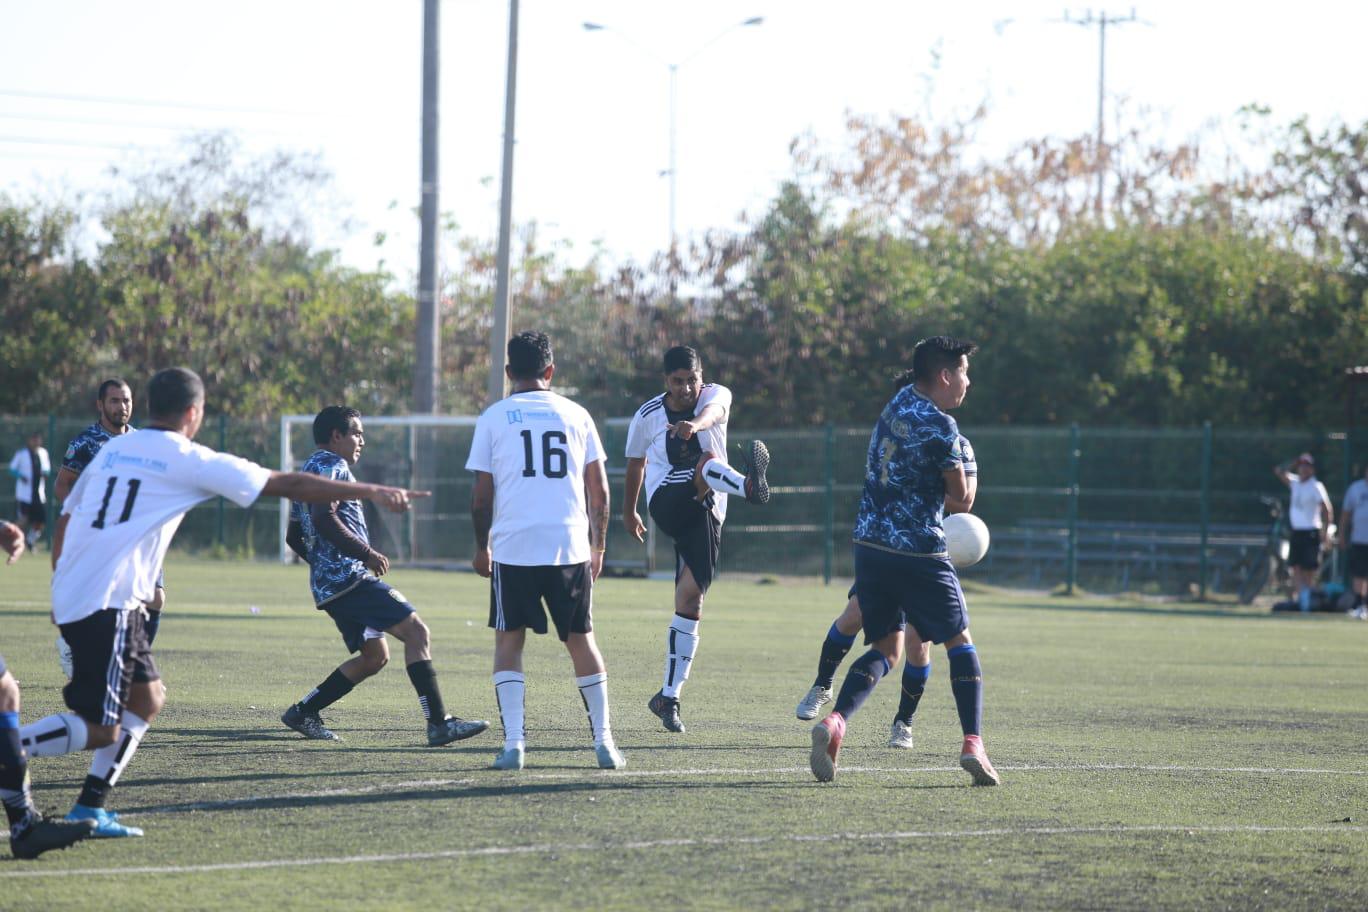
column 86, row 85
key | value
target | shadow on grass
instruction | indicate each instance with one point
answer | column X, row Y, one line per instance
column 1184, row 610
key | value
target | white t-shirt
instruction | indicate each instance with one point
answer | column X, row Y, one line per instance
column 1304, row 511
column 22, row 463
column 536, row 445
column 648, row 434
column 126, row 507
column 1356, row 500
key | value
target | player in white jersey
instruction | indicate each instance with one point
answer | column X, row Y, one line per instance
column 123, row 513
column 1309, row 515
column 677, row 444
column 540, row 509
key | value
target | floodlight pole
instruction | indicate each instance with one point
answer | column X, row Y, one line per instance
column 427, row 363
column 1102, row 20
column 498, row 339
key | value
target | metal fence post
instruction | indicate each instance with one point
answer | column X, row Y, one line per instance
column 50, row 487
column 1206, row 510
column 829, row 464
column 222, row 445
column 1071, row 568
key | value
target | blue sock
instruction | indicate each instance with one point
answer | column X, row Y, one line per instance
column 1304, row 598
column 860, row 682
column 966, row 682
column 834, row 650
column 914, row 678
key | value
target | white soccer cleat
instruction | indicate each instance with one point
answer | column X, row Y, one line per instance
column 609, row 757
column 816, row 698
column 510, row 758
column 901, row 736
column 64, row 657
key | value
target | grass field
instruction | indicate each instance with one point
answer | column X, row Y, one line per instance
column 1153, row 756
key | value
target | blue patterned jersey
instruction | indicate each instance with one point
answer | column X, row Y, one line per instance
column 84, row 447
column 331, row 572
column 904, row 491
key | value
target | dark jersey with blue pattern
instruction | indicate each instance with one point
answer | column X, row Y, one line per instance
column 84, row 447
column 331, row 573
column 904, row 490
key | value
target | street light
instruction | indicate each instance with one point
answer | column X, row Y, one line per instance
column 673, row 66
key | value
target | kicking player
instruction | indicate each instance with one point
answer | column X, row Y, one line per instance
column 540, row 510
column 124, row 510
column 344, row 575
column 913, row 474
column 841, row 636
column 677, row 444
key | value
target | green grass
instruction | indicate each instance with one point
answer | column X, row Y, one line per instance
column 1153, row 756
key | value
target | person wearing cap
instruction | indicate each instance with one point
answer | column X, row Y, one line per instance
column 1309, row 515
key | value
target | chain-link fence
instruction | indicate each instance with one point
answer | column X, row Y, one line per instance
column 1107, row 509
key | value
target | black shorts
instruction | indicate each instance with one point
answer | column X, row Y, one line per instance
column 1358, row 561
column 35, row 513
column 897, row 588
column 109, row 653
column 1305, row 549
column 694, row 528
column 367, row 611
column 516, row 594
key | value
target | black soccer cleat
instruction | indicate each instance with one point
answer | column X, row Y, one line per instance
column 310, row 725
column 45, row 835
column 667, row 709
column 757, row 464
column 453, row 728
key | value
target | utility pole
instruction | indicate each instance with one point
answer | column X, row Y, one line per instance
column 427, row 364
column 1101, row 20
column 498, row 339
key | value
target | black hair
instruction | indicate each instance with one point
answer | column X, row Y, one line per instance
column 935, row 354
column 529, row 355
column 173, row 390
column 333, row 418
column 681, row 357
column 105, row 387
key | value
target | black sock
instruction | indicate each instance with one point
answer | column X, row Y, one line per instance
column 326, row 694
column 914, row 678
column 93, row 793
column 966, row 683
column 860, row 681
column 14, row 776
column 834, row 650
column 424, row 678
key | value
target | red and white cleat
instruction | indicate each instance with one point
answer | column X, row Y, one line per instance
column 826, row 744
column 975, row 762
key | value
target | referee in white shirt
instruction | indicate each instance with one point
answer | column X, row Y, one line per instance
column 1309, row 516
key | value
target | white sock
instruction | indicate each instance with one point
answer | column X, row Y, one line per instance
column 594, row 691
column 52, row 736
column 510, row 690
column 111, row 760
column 723, row 478
column 681, row 645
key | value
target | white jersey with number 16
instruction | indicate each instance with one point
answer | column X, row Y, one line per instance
column 536, row 445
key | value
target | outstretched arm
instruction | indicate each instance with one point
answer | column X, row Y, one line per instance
column 309, row 488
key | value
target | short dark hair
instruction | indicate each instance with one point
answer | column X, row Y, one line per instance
column 333, row 418
column 938, row 353
column 111, row 382
column 529, row 355
column 172, row 390
column 681, row 357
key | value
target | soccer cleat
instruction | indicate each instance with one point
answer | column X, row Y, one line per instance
column 107, row 824
column 901, row 736
column 975, row 762
column 64, row 657
column 609, row 757
column 40, row 835
column 667, row 708
column 816, row 698
column 757, row 463
column 826, row 744
column 453, row 728
column 308, row 724
column 510, row 758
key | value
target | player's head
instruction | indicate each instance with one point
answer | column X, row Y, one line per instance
column 1305, row 466
column 530, row 359
column 940, row 368
column 34, row 440
column 683, row 376
column 115, row 402
column 175, row 400
column 338, row 428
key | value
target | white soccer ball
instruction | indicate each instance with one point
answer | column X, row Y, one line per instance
column 966, row 539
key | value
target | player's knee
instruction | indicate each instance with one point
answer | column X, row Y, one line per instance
column 98, row 736
column 419, row 635
column 372, row 663
column 703, row 460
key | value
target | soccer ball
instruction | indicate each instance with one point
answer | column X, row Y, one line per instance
column 966, row 539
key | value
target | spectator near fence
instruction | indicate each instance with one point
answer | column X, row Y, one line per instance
column 1354, row 540
column 30, row 468
column 1308, row 515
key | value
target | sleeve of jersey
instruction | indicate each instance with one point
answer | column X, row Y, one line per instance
column 719, row 396
column 967, row 456
column 945, row 447
column 637, row 442
column 481, row 457
column 77, row 456
column 233, row 477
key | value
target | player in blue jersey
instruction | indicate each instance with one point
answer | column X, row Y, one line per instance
column 344, row 574
column 914, row 472
column 841, row 636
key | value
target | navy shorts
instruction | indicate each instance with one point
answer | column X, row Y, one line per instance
column 367, row 611
column 1305, row 549
column 897, row 589
column 1358, row 561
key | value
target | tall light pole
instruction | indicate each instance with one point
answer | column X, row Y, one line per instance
column 1101, row 20
column 426, row 365
column 499, row 331
column 673, row 66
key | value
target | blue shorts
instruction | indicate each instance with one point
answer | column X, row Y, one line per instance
column 895, row 589
column 366, row 612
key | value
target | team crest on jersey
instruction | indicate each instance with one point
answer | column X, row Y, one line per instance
column 71, row 451
column 398, row 596
column 514, row 416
